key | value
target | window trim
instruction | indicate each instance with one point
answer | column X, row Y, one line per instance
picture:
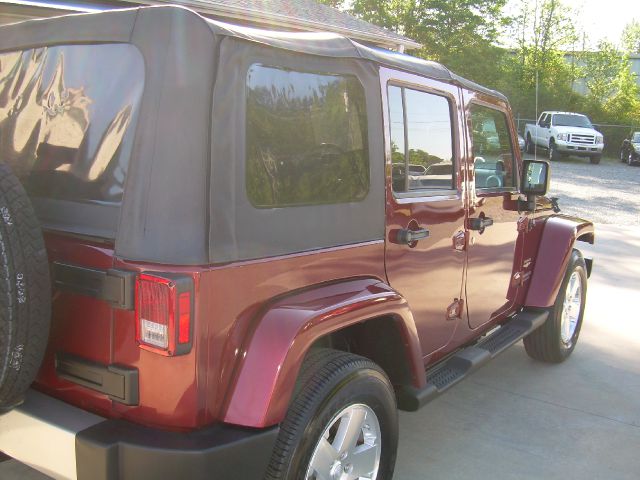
column 366, row 143
column 449, row 193
column 516, row 168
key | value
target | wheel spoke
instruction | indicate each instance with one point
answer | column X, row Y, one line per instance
column 364, row 461
column 571, row 307
column 349, row 430
column 323, row 458
column 574, row 285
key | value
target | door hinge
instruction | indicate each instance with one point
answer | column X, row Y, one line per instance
column 454, row 311
column 460, row 241
column 519, row 278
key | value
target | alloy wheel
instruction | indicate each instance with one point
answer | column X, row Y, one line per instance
column 571, row 308
column 349, row 448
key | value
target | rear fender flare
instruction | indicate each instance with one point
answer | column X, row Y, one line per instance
column 558, row 239
column 270, row 364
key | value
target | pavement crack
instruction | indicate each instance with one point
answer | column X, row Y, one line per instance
column 492, row 387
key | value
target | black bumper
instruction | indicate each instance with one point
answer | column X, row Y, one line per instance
column 119, row 450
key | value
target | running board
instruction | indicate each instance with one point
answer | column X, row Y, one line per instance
column 447, row 373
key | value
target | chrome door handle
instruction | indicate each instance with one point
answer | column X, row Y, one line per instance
column 407, row 236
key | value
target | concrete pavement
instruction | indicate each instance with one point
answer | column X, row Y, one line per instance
column 520, row 419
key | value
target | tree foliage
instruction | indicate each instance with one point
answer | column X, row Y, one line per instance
column 546, row 50
column 631, row 37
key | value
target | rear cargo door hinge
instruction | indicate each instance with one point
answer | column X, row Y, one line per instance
column 116, row 287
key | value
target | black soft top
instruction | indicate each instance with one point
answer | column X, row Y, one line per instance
column 335, row 45
column 183, row 200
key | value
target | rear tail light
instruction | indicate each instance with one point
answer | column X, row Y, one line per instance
column 164, row 313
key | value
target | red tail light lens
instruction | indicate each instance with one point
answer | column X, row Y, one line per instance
column 164, row 313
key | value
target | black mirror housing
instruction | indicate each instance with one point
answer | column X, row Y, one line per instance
column 535, row 177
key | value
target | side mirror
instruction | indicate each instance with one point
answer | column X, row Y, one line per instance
column 535, row 177
column 534, row 181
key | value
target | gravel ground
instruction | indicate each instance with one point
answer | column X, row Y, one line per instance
column 604, row 193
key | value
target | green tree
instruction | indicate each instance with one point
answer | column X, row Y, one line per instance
column 602, row 68
column 543, row 31
column 624, row 105
column 450, row 31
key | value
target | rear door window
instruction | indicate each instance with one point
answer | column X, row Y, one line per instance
column 421, row 141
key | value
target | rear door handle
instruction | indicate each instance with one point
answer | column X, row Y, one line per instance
column 407, row 236
column 480, row 223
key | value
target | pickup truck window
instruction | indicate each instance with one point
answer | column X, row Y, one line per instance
column 492, row 149
column 306, row 138
column 562, row 120
column 543, row 120
column 421, row 140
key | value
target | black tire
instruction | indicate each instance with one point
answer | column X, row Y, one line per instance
column 25, row 292
column 545, row 343
column 595, row 160
column 630, row 159
column 330, row 381
column 554, row 155
column 528, row 145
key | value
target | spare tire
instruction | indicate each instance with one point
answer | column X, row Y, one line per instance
column 25, row 292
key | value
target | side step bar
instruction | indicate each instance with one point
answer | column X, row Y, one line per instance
column 446, row 374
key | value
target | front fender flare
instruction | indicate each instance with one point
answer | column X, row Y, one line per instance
column 558, row 238
column 272, row 357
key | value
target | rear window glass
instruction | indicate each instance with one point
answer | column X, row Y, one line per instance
column 306, row 138
column 67, row 119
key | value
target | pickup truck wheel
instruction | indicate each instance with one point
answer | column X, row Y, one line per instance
column 556, row 339
column 25, row 296
column 342, row 422
column 528, row 145
column 553, row 152
column 596, row 159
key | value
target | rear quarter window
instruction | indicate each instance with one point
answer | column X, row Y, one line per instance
column 306, row 138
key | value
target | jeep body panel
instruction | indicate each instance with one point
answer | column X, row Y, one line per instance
column 494, row 253
column 284, row 333
column 428, row 274
column 558, row 238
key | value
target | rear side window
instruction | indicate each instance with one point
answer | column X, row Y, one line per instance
column 421, row 140
column 67, row 119
column 306, row 138
column 492, row 150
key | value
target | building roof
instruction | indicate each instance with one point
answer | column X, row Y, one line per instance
column 305, row 15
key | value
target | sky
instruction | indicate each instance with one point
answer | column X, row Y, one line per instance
column 603, row 19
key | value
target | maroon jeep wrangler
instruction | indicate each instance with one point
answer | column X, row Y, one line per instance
column 233, row 253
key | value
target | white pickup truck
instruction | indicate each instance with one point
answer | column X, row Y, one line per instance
column 564, row 133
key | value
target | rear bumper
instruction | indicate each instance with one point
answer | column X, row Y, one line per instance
column 66, row 442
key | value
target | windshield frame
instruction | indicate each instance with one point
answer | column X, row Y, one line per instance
column 566, row 117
